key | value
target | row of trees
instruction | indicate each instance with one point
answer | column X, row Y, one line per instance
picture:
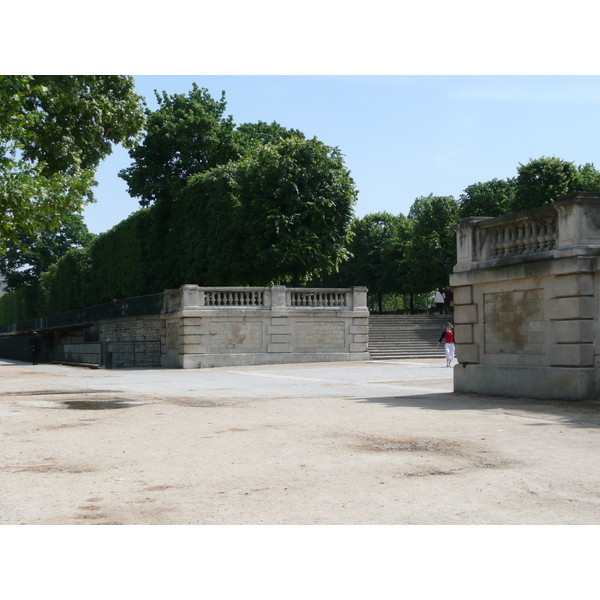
column 406, row 257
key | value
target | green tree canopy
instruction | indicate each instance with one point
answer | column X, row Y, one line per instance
column 185, row 136
column 542, row 181
column 490, row 199
column 23, row 263
column 432, row 248
column 54, row 130
column 251, row 136
column 296, row 204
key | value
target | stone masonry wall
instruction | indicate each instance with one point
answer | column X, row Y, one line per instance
column 133, row 341
column 199, row 336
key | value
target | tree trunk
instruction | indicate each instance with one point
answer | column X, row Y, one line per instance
column 380, row 301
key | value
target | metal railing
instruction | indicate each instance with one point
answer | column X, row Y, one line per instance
column 118, row 354
column 129, row 307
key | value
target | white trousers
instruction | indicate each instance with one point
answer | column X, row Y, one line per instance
column 449, row 351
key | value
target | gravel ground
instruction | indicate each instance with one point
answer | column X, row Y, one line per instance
column 366, row 443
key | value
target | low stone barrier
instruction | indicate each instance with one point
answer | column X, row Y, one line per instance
column 210, row 326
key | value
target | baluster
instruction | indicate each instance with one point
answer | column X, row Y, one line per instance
column 499, row 243
column 549, row 235
column 500, row 249
column 520, row 239
column 493, row 243
column 513, row 240
column 527, row 238
column 533, row 243
column 505, row 233
column 541, row 237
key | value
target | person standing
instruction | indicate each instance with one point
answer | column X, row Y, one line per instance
column 439, row 301
column 448, row 337
column 34, row 351
column 448, row 299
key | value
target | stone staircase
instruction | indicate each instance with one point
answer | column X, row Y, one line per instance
column 406, row 336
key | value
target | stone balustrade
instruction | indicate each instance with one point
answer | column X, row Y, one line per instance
column 564, row 228
column 268, row 298
column 226, row 326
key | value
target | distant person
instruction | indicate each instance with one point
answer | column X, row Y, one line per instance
column 35, row 347
column 448, row 299
column 448, row 336
column 439, row 301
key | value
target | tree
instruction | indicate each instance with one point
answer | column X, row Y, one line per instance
column 588, row 178
column 54, row 131
column 490, row 199
column 296, row 203
column 431, row 251
column 542, row 181
column 251, row 136
column 185, row 136
column 23, row 263
column 370, row 263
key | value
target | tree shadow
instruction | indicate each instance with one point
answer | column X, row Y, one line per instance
column 571, row 413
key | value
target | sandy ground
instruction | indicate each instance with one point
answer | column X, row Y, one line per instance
column 374, row 443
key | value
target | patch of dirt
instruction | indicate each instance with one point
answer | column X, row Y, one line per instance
column 387, row 445
column 48, row 469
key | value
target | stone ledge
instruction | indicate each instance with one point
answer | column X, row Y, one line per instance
column 554, row 383
column 201, row 361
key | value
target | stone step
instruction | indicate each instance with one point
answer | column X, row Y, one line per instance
column 406, row 336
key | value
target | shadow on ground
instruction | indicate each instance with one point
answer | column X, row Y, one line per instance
column 569, row 413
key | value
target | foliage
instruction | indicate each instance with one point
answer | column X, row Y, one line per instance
column 251, row 136
column 542, row 181
column 207, row 237
column 372, row 253
column 67, row 284
column 54, row 130
column 33, row 254
column 431, row 251
column 185, row 136
column 588, row 178
column 296, row 203
column 124, row 261
column 490, row 199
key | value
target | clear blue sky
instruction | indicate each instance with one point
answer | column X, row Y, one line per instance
column 402, row 136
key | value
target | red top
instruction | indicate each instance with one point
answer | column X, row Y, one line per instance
column 449, row 337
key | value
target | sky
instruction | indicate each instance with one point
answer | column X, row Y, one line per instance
column 402, row 136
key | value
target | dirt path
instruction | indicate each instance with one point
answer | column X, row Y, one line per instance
column 360, row 443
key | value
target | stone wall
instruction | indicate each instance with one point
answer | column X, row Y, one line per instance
column 527, row 302
column 207, row 327
column 132, row 341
